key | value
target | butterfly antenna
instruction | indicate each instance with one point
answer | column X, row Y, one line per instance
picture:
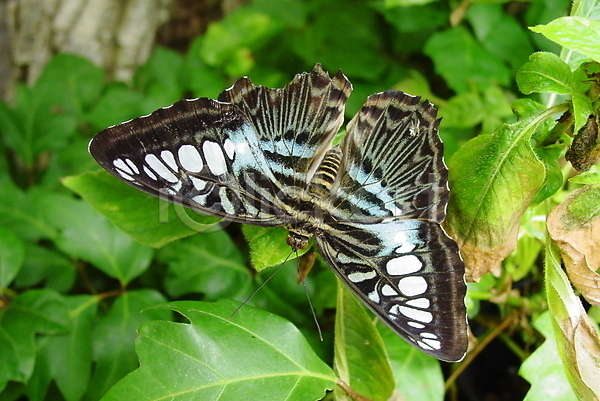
column 312, row 310
column 260, row 287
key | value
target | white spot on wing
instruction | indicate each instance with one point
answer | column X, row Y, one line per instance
column 229, row 148
column 416, row 325
column 125, row 175
column 158, row 166
column 406, row 244
column 357, row 277
column 403, row 265
column 374, row 296
column 415, row 314
column 413, row 285
column 388, row 291
column 177, row 186
column 168, row 157
column 214, row 157
column 436, row 344
column 198, row 183
column 124, row 168
column 428, row 335
column 132, row 165
column 200, row 199
column 150, row 173
column 226, row 202
column 190, row 158
column 422, row 303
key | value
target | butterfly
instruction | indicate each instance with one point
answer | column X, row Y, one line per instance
column 373, row 204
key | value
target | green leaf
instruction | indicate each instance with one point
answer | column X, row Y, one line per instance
column 161, row 79
column 544, row 369
column 268, row 246
column 31, row 313
column 418, row 376
column 69, row 356
column 284, row 296
column 463, row 63
column 576, row 337
column 228, row 44
column 356, row 28
column 360, row 361
column 47, row 267
column 20, row 213
column 207, row 263
column 12, row 253
column 144, row 217
column 545, row 72
column 575, row 33
column 114, row 336
column 254, row 355
column 48, row 113
column 493, row 179
column 117, row 104
column 500, row 33
column 405, row 3
column 89, row 236
column 414, row 19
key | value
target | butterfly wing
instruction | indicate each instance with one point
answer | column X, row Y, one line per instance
column 230, row 158
column 296, row 123
column 385, row 240
column 393, row 162
column 409, row 273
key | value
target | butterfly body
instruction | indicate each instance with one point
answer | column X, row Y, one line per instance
column 373, row 204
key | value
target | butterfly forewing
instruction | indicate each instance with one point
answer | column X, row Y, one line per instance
column 409, row 273
column 296, row 123
column 200, row 153
column 232, row 158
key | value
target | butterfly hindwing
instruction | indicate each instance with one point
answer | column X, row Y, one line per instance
column 393, row 163
column 409, row 273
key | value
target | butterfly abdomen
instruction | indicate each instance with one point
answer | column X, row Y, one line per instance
column 321, row 183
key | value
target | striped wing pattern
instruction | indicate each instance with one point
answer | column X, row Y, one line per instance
column 232, row 158
column 374, row 203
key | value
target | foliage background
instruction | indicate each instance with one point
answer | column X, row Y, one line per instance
column 76, row 289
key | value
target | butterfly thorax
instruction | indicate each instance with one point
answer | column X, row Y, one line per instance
column 310, row 216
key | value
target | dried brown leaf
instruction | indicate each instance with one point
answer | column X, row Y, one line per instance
column 575, row 227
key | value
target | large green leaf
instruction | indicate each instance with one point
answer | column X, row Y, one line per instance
column 67, row 358
column 268, row 246
column 575, row 33
column 90, row 236
column 210, row 264
column 544, row 369
column 144, row 217
column 463, row 62
column 493, row 178
column 12, row 253
column 576, row 335
column 46, row 115
column 114, row 337
column 253, row 355
column 360, row 360
column 31, row 313
column 545, row 72
column 21, row 213
column 418, row 376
